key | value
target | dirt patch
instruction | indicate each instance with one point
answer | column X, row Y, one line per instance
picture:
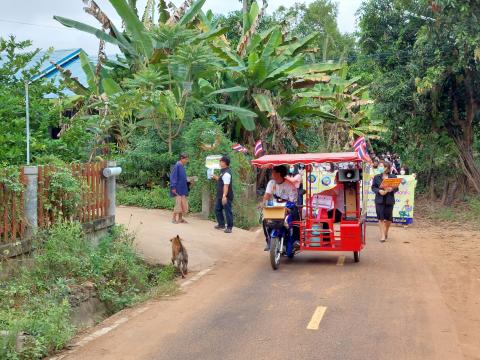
column 452, row 252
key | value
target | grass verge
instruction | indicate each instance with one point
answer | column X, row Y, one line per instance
column 36, row 300
column 467, row 212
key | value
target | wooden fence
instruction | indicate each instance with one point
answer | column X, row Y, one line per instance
column 92, row 204
column 12, row 219
column 93, row 197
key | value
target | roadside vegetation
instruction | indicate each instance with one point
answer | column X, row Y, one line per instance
column 465, row 212
column 190, row 80
column 37, row 299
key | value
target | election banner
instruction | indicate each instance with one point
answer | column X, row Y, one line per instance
column 404, row 200
column 320, row 181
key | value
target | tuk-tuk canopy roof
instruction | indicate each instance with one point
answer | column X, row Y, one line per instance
column 268, row 161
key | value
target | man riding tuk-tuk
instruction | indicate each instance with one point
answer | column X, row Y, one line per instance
column 333, row 219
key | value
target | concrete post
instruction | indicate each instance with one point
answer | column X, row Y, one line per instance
column 31, row 199
column 205, row 203
column 111, row 190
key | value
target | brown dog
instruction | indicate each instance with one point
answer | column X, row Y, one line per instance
column 179, row 255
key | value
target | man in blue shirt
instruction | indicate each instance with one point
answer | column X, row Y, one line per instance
column 179, row 189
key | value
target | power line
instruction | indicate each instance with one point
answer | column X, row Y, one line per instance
column 32, row 24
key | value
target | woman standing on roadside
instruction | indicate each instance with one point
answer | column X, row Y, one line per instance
column 384, row 198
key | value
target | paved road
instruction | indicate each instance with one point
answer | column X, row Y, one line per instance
column 388, row 306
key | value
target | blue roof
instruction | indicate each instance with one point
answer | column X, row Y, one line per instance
column 68, row 59
column 64, row 62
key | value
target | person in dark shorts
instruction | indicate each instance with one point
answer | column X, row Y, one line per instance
column 224, row 199
column 384, row 199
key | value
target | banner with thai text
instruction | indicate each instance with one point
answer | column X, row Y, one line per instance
column 404, row 200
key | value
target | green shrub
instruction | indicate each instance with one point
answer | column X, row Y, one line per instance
column 35, row 299
column 474, row 207
column 245, row 213
column 444, row 214
column 63, row 252
column 146, row 162
column 156, row 198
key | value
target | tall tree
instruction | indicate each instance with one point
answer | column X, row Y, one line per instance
column 428, row 61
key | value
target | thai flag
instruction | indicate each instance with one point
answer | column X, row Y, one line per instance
column 239, row 148
column 360, row 146
column 258, row 148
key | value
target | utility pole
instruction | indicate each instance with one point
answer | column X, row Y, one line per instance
column 27, row 120
column 245, row 6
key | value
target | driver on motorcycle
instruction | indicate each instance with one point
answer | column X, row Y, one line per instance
column 281, row 189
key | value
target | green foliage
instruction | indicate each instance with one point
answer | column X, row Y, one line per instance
column 155, row 198
column 245, row 213
column 14, row 58
column 319, row 16
column 425, row 56
column 64, row 190
column 35, row 299
column 146, row 161
column 10, row 179
column 445, row 214
column 466, row 212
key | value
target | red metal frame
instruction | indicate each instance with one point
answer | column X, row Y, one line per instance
column 351, row 233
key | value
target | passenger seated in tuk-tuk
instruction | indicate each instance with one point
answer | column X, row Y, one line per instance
column 281, row 189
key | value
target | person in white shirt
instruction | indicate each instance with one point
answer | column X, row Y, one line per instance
column 280, row 188
column 224, row 199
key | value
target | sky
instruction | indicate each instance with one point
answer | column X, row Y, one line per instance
column 17, row 17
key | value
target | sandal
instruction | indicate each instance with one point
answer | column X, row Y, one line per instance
column 174, row 222
column 184, row 221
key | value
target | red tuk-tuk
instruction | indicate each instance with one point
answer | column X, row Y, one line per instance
column 316, row 226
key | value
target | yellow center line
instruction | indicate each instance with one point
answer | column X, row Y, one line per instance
column 317, row 316
column 341, row 260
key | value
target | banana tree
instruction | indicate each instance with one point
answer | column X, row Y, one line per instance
column 135, row 42
column 180, row 83
column 272, row 67
column 101, row 104
column 350, row 105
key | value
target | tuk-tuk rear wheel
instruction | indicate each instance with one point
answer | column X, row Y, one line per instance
column 356, row 256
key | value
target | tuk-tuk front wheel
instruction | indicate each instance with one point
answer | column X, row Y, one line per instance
column 275, row 252
column 356, row 256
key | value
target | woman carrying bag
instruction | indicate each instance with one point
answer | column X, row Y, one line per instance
column 384, row 198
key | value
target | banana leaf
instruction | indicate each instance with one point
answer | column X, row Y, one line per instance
column 264, row 103
column 89, row 71
column 133, row 25
column 274, row 41
column 246, row 116
column 227, row 55
column 101, row 35
column 286, row 68
column 228, row 90
column 191, row 12
column 111, row 87
column 297, row 46
column 315, row 68
column 211, row 34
